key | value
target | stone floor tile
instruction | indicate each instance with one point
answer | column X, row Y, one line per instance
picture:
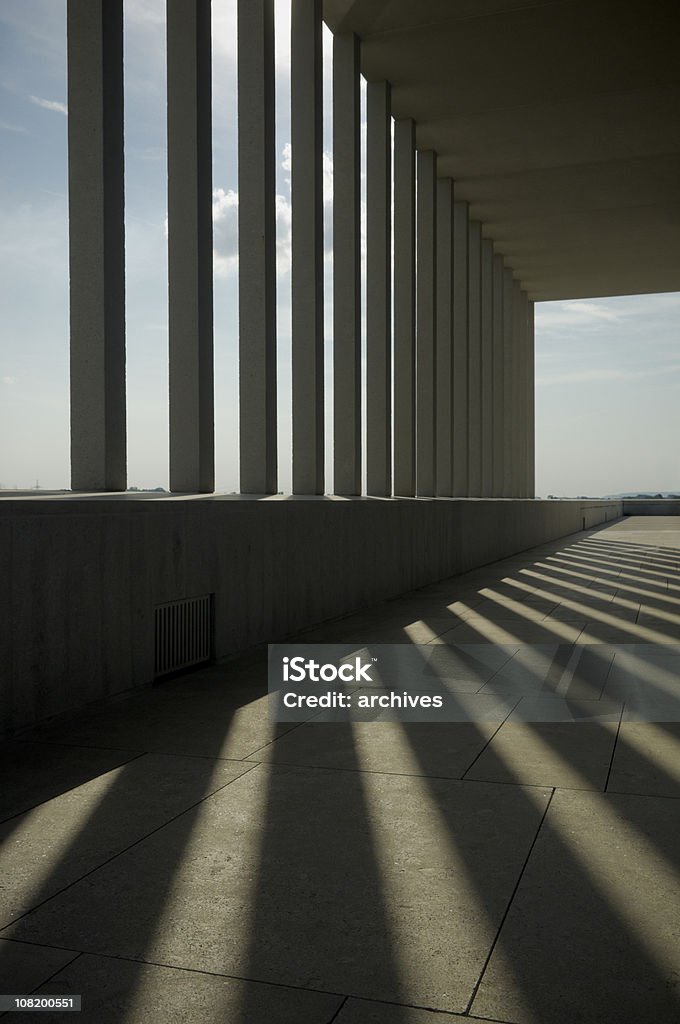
column 548, row 741
column 591, row 935
column 114, row 991
column 648, row 683
column 566, row 670
column 220, row 718
column 647, row 759
column 363, row 1011
column 34, row 772
column 60, row 841
column 348, row 882
column 438, row 749
column 23, row 966
column 520, row 632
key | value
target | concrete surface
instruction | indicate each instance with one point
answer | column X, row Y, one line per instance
column 173, row 856
column 570, row 162
column 85, row 574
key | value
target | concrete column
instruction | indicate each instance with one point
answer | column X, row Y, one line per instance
column 444, row 339
column 521, row 392
column 426, row 299
column 346, row 266
column 257, row 247
column 474, row 360
column 96, row 244
column 307, row 247
column 404, row 307
column 526, row 393
column 461, row 223
column 531, row 401
column 378, row 290
column 487, row 407
column 508, row 406
column 190, row 293
column 517, row 411
column 498, row 392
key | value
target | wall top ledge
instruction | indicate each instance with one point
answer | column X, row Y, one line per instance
column 13, row 503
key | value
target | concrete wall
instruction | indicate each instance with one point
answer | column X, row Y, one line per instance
column 85, row 574
column 651, row 507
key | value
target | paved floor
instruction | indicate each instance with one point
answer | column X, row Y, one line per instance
column 175, row 857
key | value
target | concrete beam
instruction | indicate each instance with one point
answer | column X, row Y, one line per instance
column 307, row 247
column 404, row 307
column 378, row 290
column 426, row 308
column 190, row 290
column 257, row 247
column 96, row 244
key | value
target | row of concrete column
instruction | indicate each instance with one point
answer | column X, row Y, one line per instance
column 448, row 375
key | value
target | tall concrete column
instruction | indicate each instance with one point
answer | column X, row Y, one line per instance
column 487, row 353
column 461, row 224
column 307, row 247
column 531, row 401
column 526, row 394
column 521, row 393
column 378, row 290
column 346, row 266
column 474, row 360
column 257, row 247
column 190, row 292
column 426, row 298
column 517, row 409
column 444, row 339
column 508, row 407
column 404, row 307
column 498, row 391
column 96, row 244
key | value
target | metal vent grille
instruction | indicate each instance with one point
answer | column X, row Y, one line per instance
column 183, row 633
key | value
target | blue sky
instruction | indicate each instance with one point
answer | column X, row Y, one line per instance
column 608, row 370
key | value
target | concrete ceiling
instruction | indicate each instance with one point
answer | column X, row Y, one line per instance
column 559, row 121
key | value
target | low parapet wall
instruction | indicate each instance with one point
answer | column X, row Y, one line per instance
column 651, row 506
column 87, row 573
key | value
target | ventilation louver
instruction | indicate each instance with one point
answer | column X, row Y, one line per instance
column 183, row 633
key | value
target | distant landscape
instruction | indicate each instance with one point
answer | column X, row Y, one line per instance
column 616, row 497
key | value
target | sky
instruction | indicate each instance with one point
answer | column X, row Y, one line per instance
column 607, row 370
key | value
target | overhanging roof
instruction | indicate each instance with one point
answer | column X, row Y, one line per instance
column 559, row 122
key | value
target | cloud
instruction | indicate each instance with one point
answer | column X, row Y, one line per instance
column 224, row 34
column 284, row 215
column 577, row 313
column 608, row 374
column 225, row 222
column 8, row 380
column 327, row 189
column 225, row 232
column 6, row 127
column 60, row 108
column 145, row 12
